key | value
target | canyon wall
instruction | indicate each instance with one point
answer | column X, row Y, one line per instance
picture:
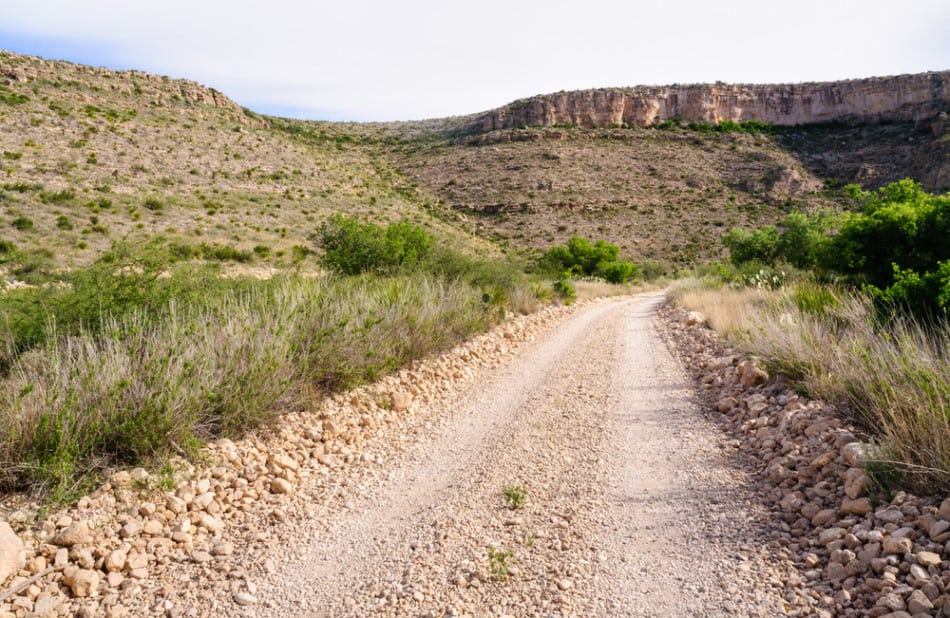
column 905, row 97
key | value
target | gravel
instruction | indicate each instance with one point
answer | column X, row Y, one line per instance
column 564, row 464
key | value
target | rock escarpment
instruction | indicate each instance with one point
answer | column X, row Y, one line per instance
column 915, row 97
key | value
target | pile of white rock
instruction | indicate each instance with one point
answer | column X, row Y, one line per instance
column 857, row 553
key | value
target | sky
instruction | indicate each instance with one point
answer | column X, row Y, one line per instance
column 414, row 59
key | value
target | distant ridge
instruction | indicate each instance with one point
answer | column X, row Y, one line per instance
column 917, row 97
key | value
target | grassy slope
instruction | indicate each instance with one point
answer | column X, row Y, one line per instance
column 123, row 155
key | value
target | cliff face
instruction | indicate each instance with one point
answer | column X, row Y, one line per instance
column 905, row 97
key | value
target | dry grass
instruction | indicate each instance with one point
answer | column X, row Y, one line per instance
column 893, row 375
column 142, row 387
column 727, row 310
column 600, row 289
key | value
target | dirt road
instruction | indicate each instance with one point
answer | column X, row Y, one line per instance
column 632, row 507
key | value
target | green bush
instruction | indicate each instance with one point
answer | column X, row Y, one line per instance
column 760, row 245
column 896, row 245
column 351, row 247
column 580, row 257
column 22, row 223
column 153, row 203
column 9, row 97
column 565, row 290
column 618, row 272
column 57, row 197
column 298, row 253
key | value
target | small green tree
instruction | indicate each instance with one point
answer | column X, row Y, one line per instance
column 351, row 247
column 760, row 245
column 582, row 258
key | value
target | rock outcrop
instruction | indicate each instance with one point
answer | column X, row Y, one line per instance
column 915, row 97
column 157, row 90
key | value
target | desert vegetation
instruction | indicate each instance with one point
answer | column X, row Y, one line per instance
column 145, row 221
column 852, row 306
column 122, row 365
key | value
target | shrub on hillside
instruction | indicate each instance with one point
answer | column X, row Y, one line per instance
column 351, row 247
column 579, row 257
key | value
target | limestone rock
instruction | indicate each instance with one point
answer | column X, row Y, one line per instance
column 115, row 561
column 918, row 603
column 12, row 558
column 243, row 598
column 855, row 482
column 905, row 97
column 695, row 317
column 858, row 506
column 400, row 400
column 76, row 534
column 750, row 374
column 281, row 486
column 898, row 545
column 82, row 582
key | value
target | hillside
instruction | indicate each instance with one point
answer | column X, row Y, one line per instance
column 92, row 156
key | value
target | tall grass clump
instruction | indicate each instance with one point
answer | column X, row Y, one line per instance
column 153, row 381
column 727, row 309
column 890, row 370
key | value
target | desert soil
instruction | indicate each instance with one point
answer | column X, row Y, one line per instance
column 632, row 506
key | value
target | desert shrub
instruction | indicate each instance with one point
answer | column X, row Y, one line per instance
column 161, row 378
column 22, row 187
column 760, row 245
column 22, row 223
column 153, row 203
column 651, row 270
column 63, row 223
column 9, row 97
column 351, row 247
column 619, row 271
column 895, row 245
column 298, row 253
column 564, row 290
column 893, row 375
column 223, row 253
column 580, row 257
column 57, row 197
column 6, row 247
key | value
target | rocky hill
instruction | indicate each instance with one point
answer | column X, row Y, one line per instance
column 91, row 156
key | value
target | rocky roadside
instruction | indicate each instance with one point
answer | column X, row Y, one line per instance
column 145, row 545
column 854, row 554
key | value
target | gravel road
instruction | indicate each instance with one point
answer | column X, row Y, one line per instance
column 633, row 507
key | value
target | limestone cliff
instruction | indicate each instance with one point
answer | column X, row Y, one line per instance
column 905, row 97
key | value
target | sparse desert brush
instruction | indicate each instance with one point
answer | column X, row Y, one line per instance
column 161, row 378
column 890, row 371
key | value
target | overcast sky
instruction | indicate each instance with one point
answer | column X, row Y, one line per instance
column 361, row 60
